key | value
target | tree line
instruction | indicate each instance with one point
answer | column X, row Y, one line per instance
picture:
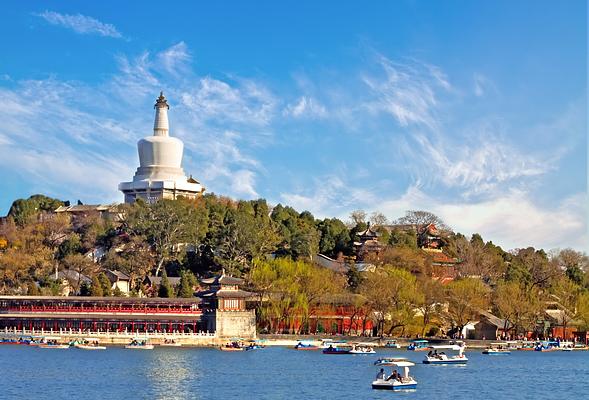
column 193, row 238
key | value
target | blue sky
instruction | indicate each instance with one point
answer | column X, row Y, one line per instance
column 476, row 111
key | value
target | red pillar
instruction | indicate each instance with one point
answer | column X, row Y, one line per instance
column 132, row 326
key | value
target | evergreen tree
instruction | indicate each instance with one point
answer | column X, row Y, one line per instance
column 165, row 289
column 354, row 277
column 186, row 285
column 96, row 288
column 117, row 292
column 105, row 284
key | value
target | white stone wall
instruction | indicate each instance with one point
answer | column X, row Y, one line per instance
column 235, row 324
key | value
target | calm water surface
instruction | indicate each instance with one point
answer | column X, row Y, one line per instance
column 279, row 373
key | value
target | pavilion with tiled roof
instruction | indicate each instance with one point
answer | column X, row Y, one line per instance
column 226, row 306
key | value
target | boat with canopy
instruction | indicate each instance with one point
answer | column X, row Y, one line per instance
column 497, row 349
column 437, row 355
column 399, row 382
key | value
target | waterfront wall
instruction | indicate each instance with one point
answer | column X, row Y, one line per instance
column 200, row 339
column 230, row 324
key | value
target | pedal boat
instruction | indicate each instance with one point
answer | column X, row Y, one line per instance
column 404, row 383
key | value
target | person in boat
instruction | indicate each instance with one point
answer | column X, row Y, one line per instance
column 330, row 348
column 431, row 353
column 380, row 375
column 394, row 375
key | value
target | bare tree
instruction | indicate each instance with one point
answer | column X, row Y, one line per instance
column 421, row 219
column 378, row 219
column 358, row 217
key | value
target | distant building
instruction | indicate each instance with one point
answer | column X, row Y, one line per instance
column 71, row 281
column 228, row 314
column 220, row 310
column 107, row 211
column 160, row 174
column 119, row 280
column 367, row 243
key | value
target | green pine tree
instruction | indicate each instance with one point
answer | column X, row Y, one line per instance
column 166, row 289
column 186, row 285
column 105, row 284
column 96, row 288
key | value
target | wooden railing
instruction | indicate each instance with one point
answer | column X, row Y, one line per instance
column 87, row 332
column 107, row 310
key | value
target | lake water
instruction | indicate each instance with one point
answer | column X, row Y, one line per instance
column 279, row 373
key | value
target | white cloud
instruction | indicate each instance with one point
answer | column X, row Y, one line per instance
column 407, row 92
column 243, row 182
column 511, row 219
column 175, row 60
column 476, row 166
column 81, row 24
column 213, row 99
column 329, row 196
column 68, row 138
column 305, row 107
column 482, row 85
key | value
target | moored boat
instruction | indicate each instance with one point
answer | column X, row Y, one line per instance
column 52, row 342
column 170, row 343
column 255, row 345
column 326, row 343
column 89, row 344
column 392, row 344
column 358, row 349
column 396, row 381
column 305, row 345
column 418, row 345
column 53, row 346
column 233, row 345
column 497, row 349
column 139, row 344
column 337, row 350
column 547, row 346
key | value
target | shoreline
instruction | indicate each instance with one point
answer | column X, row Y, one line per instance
column 210, row 340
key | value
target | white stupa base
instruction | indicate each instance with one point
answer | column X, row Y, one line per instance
column 152, row 191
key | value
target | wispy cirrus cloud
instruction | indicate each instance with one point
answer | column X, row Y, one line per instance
column 71, row 139
column 305, row 107
column 482, row 85
column 511, row 218
column 80, row 24
column 408, row 92
column 475, row 165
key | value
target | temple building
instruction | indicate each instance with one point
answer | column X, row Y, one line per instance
column 220, row 311
column 232, row 317
column 367, row 243
column 160, row 174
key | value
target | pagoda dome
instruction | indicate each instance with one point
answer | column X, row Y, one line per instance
column 160, row 156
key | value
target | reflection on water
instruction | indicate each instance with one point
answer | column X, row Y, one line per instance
column 278, row 373
column 171, row 373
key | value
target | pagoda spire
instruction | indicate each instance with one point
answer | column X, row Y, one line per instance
column 161, row 126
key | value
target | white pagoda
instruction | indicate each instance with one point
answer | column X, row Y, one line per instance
column 160, row 174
